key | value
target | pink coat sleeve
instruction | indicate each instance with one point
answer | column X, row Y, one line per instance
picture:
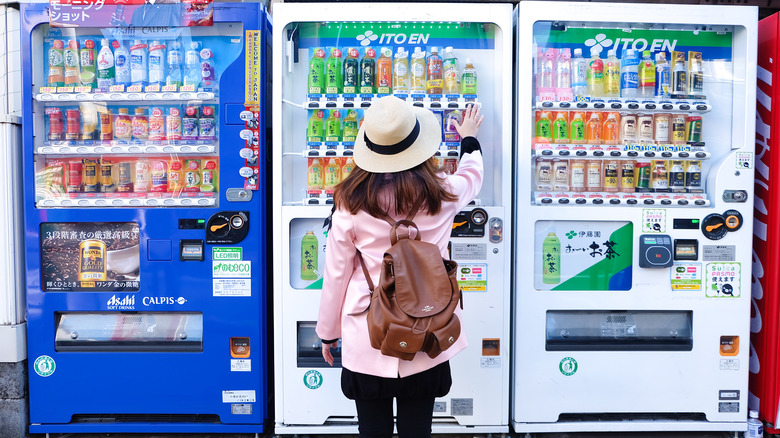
column 466, row 182
column 339, row 265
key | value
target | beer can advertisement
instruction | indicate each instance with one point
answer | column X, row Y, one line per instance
column 90, row 256
column 583, row 255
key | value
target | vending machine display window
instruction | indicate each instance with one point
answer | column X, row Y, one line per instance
column 90, row 257
column 126, row 118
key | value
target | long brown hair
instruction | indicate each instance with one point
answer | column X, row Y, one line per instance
column 361, row 189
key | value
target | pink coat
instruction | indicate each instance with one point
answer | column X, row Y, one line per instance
column 345, row 291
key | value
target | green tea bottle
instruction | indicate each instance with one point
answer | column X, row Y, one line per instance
column 551, row 259
column 309, row 253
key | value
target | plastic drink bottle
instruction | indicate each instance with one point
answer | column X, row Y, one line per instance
column 546, row 76
column 105, row 64
column 577, row 129
column 207, row 124
column 122, row 64
column 663, row 75
column 349, row 133
column 309, row 256
column 563, row 69
column 579, row 75
column 468, row 81
column 138, row 65
column 401, row 72
column 314, row 132
column 123, row 126
column 551, row 259
column 347, row 166
column 332, row 175
column 610, row 130
column 595, row 78
column 418, row 72
column 87, row 58
column 333, row 126
column 189, row 123
column 140, row 125
column 368, row 72
column 317, row 72
column 175, row 59
column 629, row 75
column 612, row 75
column 207, row 72
column 755, row 426
column 70, row 56
column 314, row 178
column 351, row 72
column 593, row 129
column 156, row 63
column 544, row 126
column 646, row 86
column 56, row 64
column 450, row 67
column 384, row 71
column 560, row 128
column 192, row 66
column 435, row 66
column 333, row 79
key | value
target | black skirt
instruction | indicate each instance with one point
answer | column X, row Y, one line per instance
column 431, row 383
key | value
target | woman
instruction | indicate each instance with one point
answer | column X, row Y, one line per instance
column 395, row 166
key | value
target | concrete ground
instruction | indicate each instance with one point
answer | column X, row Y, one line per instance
column 535, row 435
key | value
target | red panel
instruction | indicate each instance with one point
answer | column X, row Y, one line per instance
column 765, row 314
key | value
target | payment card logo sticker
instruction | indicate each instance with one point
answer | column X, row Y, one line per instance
column 568, row 366
column 686, row 276
column 744, row 160
column 653, row 220
column 312, row 379
column 473, row 278
column 44, row 366
column 723, row 280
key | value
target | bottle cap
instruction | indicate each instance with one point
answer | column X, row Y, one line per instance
column 594, row 50
column 122, row 110
column 611, row 52
column 140, row 111
column 468, row 61
column 753, row 414
column 577, row 52
column 104, row 42
column 646, row 53
column 630, row 52
column 434, row 49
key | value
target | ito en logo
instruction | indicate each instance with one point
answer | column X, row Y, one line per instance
column 568, row 366
column 366, row 38
column 600, row 42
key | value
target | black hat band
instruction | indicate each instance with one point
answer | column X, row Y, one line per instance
column 394, row 148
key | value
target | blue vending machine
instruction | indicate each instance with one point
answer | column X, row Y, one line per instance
column 145, row 216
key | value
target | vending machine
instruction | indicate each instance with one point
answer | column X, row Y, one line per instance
column 765, row 309
column 144, row 148
column 329, row 64
column 634, row 210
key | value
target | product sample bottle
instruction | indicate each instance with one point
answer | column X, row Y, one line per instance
column 333, row 80
column 595, row 79
column 435, row 72
column 450, row 72
column 351, row 72
column 316, row 79
column 418, row 83
column 593, row 178
column 612, row 75
column 629, row 74
column 401, row 72
column 579, row 67
column 646, row 86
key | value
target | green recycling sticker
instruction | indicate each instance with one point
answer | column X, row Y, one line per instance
column 312, row 379
column 568, row 366
column 44, row 366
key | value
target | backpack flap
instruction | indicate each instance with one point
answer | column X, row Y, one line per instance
column 402, row 341
column 449, row 333
column 422, row 286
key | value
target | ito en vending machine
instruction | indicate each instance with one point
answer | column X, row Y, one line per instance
column 634, row 172
column 143, row 154
column 765, row 313
column 329, row 65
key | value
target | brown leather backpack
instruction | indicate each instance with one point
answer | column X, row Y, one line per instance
column 413, row 308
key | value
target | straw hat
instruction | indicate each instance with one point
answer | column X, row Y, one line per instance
column 396, row 136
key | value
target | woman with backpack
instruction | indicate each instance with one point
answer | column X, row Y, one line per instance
column 395, row 168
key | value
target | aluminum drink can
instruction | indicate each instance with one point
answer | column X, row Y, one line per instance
column 92, row 263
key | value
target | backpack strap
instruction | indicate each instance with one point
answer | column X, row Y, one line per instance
column 365, row 273
column 415, row 208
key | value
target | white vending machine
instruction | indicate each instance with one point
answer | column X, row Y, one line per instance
column 634, row 207
column 330, row 63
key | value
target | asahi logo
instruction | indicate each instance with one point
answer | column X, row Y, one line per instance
column 600, row 43
column 369, row 36
column 126, row 303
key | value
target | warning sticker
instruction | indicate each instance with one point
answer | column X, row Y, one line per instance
column 686, row 276
column 729, row 364
column 719, row 253
column 232, row 287
column 462, row 406
column 247, row 396
column 472, row 278
column 490, row 362
column 469, row 251
column 240, row 365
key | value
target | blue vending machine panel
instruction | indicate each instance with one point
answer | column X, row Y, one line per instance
column 144, row 149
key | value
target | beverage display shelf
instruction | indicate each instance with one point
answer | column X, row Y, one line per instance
column 364, row 101
column 314, row 199
column 444, row 151
column 125, row 97
column 632, row 105
column 625, row 152
column 622, row 199
column 111, row 200
column 116, row 148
